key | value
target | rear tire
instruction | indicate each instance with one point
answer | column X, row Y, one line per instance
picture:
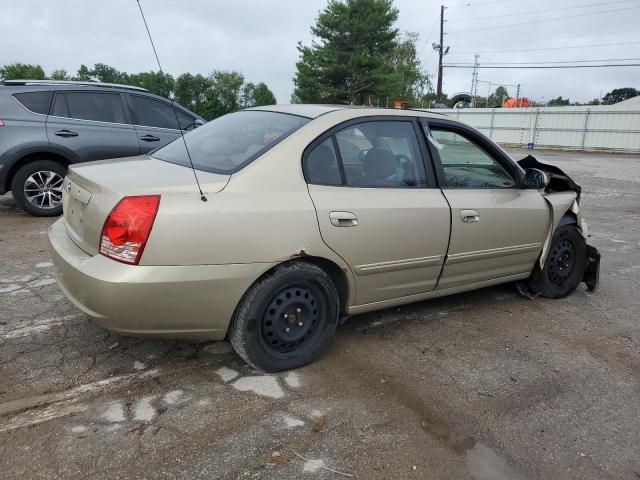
column 287, row 319
column 37, row 188
column 564, row 266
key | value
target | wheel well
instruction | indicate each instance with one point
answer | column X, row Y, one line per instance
column 336, row 274
column 30, row 158
column 569, row 218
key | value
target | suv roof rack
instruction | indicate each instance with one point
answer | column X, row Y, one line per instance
column 72, row 82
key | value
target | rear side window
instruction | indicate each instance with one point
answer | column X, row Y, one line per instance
column 37, row 102
column 321, row 165
column 228, row 143
column 371, row 154
column 99, row 107
column 148, row 112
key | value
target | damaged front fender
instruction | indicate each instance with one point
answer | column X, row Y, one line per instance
column 562, row 195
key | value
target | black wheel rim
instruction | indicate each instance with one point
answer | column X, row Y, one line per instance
column 561, row 262
column 292, row 320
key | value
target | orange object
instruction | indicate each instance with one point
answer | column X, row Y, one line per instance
column 521, row 102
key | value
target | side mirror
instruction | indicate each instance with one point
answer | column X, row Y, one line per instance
column 198, row 123
column 535, row 179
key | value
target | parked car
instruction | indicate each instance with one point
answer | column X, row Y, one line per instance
column 45, row 126
column 312, row 213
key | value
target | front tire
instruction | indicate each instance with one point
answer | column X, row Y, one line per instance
column 287, row 319
column 37, row 188
column 564, row 266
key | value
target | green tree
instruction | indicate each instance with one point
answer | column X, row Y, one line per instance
column 60, row 74
column 84, row 74
column 349, row 58
column 155, row 82
column 408, row 80
column 190, row 91
column 559, row 102
column 497, row 98
column 107, row 74
column 224, row 94
column 619, row 94
column 263, row 96
column 19, row 71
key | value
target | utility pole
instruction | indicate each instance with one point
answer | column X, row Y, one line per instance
column 441, row 53
column 474, row 81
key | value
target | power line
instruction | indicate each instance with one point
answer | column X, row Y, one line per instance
column 545, row 20
column 558, row 62
column 546, row 66
column 529, row 40
column 595, row 45
column 477, row 4
column 435, row 24
column 598, row 4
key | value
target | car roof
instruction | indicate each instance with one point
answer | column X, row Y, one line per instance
column 314, row 111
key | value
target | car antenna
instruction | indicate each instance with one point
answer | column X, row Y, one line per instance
column 193, row 169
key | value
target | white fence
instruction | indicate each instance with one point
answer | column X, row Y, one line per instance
column 579, row 128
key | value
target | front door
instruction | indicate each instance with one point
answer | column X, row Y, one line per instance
column 156, row 121
column 497, row 227
column 378, row 209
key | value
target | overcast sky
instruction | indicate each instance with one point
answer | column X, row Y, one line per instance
column 259, row 37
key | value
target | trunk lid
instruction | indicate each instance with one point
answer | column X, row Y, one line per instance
column 92, row 189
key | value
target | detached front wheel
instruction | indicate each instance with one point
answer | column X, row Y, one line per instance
column 287, row 319
column 564, row 266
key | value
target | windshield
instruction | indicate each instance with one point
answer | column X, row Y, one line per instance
column 228, row 143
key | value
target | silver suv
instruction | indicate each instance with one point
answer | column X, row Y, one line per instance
column 46, row 125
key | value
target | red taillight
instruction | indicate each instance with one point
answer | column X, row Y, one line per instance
column 1, row 123
column 127, row 228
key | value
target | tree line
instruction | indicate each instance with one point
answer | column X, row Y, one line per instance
column 209, row 96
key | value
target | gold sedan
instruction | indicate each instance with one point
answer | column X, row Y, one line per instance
column 309, row 214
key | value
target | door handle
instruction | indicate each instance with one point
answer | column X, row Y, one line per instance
column 469, row 216
column 66, row 133
column 149, row 138
column 343, row 219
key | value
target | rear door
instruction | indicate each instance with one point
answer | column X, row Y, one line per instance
column 93, row 125
column 377, row 206
column 155, row 121
column 497, row 227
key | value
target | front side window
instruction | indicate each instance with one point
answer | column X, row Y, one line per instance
column 381, row 154
column 154, row 113
column 228, row 143
column 99, row 107
column 465, row 164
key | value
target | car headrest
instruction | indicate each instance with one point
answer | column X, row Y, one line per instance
column 380, row 163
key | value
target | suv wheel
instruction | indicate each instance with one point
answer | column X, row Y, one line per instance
column 287, row 319
column 37, row 188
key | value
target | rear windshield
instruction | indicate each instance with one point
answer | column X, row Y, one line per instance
column 228, row 143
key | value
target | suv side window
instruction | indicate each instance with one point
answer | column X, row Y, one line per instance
column 37, row 102
column 148, row 112
column 381, row 154
column 96, row 106
column 465, row 164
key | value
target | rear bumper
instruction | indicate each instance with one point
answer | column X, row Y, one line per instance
column 194, row 302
